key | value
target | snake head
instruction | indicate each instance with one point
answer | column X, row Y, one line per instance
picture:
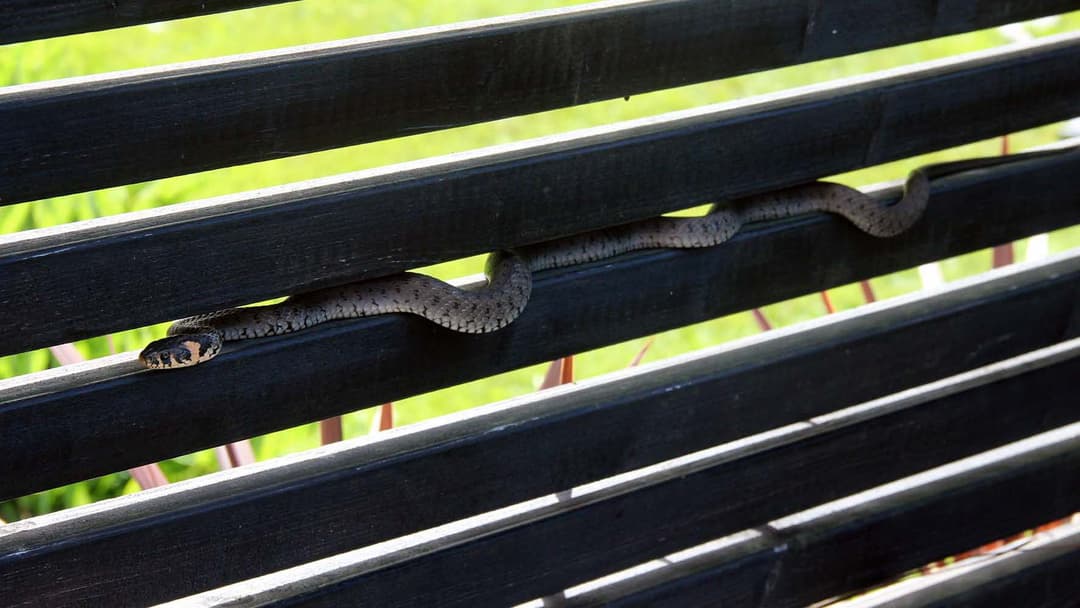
column 183, row 350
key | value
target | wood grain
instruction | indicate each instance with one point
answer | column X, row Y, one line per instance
column 108, row 131
column 265, row 385
column 1039, row 574
column 107, row 420
column 868, row 542
column 33, row 19
column 549, row 547
column 182, row 260
column 435, row 476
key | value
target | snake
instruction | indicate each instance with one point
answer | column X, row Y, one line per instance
column 502, row 299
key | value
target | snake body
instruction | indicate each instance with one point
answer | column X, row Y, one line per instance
column 492, row 307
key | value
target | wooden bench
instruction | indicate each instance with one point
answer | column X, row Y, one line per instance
column 800, row 465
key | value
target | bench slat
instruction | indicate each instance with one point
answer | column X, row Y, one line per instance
column 417, row 480
column 304, row 525
column 869, row 541
column 33, row 19
column 114, row 130
column 72, row 425
column 154, row 266
column 549, row 547
column 1041, row 573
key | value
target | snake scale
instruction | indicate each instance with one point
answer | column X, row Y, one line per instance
column 197, row 339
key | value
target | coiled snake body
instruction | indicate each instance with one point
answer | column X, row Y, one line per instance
column 199, row 338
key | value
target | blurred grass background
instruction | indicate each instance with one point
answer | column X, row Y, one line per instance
column 313, row 21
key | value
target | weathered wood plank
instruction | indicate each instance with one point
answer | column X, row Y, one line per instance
column 33, row 19
column 430, row 477
column 105, row 131
column 111, row 417
column 255, row 248
column 549, row 547
column 1041, row 573
column 862, row 543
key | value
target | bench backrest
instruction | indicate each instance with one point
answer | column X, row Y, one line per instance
column 308, row 525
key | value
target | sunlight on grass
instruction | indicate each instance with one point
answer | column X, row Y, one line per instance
column 323, row 20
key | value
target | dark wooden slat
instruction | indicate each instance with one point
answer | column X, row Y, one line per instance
column 873, row 540
column 1043, row 574
column 24, row 20
column 389, row 221
column 186, row 118
column 113, row 417
column 548, row 548
column 432, row 477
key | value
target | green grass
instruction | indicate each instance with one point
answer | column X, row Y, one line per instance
column 321, row 20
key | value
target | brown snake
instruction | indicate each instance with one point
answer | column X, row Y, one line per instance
column 196, row 339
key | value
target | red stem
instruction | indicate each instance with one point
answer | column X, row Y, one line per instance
column 1003, row 254
column 762, row 323
column 386, row 416
column 867, row 292
column 330, row 430
column 829, row 308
